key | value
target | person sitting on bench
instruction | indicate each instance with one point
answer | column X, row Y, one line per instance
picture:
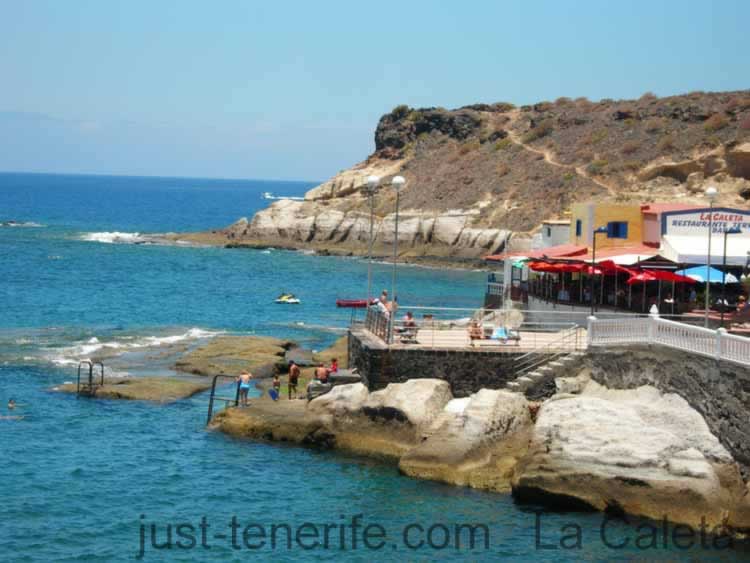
column 475, row 330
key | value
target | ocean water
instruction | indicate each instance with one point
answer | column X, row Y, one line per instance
column 91, row 479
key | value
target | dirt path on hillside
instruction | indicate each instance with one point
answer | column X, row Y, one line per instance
column 548, row 157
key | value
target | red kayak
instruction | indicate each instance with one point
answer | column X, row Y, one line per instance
column 352, row 303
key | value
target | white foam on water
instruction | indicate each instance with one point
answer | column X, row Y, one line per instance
column 72, row 355
column 113, row 237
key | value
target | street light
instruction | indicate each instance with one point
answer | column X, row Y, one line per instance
column 731, row 231
column 596, row 231
column 372, row 185
column 711, row 194
column 398, row 183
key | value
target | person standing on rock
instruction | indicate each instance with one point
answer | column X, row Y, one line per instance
column 294, row 373
column 244, row 381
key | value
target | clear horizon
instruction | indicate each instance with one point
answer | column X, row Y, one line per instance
column 291, row 92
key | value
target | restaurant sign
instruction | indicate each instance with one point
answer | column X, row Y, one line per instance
column 696, row 221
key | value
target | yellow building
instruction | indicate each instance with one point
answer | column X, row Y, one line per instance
column 624, row 224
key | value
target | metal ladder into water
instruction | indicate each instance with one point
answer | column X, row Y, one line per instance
column 88, row 386
column 227, row 400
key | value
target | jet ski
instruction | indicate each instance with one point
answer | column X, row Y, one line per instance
column 287, row 299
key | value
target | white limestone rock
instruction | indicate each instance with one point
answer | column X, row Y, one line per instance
column 341, row 400
column 416, row 401
column 463, row 443
column 639, row 450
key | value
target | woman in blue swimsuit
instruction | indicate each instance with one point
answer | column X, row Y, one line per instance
column 244, row 381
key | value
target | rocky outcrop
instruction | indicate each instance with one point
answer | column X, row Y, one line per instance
column 260, row 355
column 297, row 224
column 154, row 389
column 476, row 174
column 637, row 451
column 475, row 441
column 340, row 401
column 634, row 451
column 416, row 402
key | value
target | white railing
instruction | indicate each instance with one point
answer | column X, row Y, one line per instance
column 654, row 330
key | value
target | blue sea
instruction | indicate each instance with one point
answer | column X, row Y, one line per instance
column 98, row 480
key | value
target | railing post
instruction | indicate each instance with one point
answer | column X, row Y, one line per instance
column 719, row 334
column 653, row 318
column 591, row 319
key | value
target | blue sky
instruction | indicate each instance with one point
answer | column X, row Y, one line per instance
column 293, row 90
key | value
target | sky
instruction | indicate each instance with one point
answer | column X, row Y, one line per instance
column 293, row 90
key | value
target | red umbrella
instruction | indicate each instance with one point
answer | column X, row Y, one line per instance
column 641, row 277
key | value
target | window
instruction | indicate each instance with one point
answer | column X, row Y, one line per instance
column 578, row 227
column 617, row 229
column 549, row 232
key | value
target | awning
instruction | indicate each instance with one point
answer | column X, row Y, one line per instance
column 559, row 251
column 698, row 273
column 623, row 255
column 694, row 250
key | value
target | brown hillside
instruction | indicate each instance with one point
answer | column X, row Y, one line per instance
column 481, row 177
column 539, row 159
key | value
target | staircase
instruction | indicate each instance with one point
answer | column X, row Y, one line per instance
column 536, row 371
column 542, row 379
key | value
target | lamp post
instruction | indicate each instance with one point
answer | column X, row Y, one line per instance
column 372, row 185
column 398, row 183
column 711, row 194
column 595, row 232
column 727, row 232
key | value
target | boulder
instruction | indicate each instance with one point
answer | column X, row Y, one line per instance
column 474, row 441
column 341, row 400
column 416, row 402
column 738, row 160
column 637, row 451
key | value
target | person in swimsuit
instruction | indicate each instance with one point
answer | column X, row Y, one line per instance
column 334, row 366
column 244, row 381
column 11, row 404
column 294, row 373
column 321, row 373
column 276, row 387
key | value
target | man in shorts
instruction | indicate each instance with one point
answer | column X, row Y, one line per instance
column 294, row 373
column 244, row 381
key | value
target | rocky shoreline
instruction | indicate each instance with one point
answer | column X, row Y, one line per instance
column 639, row 452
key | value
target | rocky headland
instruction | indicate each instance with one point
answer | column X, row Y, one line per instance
column 638, row 451
column 481, row 178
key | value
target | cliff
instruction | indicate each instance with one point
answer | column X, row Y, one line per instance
column 476, row 174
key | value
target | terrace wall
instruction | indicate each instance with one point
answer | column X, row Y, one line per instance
column 467, row 371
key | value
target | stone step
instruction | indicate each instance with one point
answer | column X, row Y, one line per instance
column 524, row 380
column 513, row 386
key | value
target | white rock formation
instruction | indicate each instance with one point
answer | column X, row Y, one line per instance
column 302, row 222
column 417, row 401
column 638, row 450
column 341, row 400
column 470, row 442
